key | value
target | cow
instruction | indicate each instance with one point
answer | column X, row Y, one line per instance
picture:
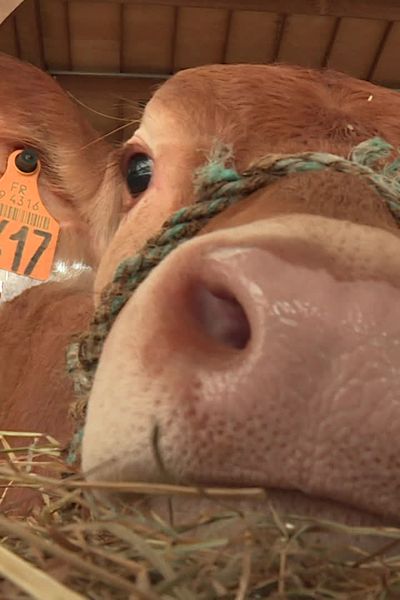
column 77, row 169
column 78, row 184
column 265, row 351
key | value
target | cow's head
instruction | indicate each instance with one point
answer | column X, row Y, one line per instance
column 77, row 181
column 266, row 351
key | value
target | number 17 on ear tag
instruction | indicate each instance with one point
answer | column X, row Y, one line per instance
column 28, row 232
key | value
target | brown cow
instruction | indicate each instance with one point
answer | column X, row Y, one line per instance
column 77, row 176
column 77, row 184
column 267, row 349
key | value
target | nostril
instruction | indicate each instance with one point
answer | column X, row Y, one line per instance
column 221, row 316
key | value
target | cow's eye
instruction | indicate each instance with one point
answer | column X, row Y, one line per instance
column 138, row 173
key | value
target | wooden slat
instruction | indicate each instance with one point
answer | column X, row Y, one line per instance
column 55, row 33
column 8, row 42
column 355, row 46
column 387, row 69
column 148, row 38
column 200, row 37
column 363, row 9
column 305, row 40
column 251, row 38
column 29, row 33
column 95, row 35
column 116, row 97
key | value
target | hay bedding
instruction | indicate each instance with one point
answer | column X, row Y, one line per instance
column 75, row 547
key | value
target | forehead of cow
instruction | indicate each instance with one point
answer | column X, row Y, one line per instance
column 254, row 107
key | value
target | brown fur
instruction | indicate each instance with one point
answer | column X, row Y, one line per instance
column 79, row 186
column 36, row 392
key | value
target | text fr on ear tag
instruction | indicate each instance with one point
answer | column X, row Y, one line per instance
column 28, row 232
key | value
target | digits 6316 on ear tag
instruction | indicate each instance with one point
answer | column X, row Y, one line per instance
column 28, row 233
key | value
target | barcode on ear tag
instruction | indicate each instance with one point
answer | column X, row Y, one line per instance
column 28, row 233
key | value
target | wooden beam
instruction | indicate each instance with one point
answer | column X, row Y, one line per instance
column 367, row 9
column 145, row 83
column 108, row 75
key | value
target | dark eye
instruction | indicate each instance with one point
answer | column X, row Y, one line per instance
column 139, row 172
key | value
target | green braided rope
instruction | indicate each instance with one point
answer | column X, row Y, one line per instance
column 218, row 188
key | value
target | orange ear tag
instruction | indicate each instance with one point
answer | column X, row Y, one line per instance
column 28, row 232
